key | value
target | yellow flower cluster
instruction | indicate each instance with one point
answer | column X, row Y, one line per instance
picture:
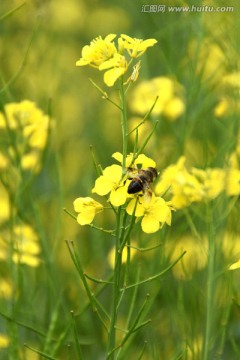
column 170, row 101
column 153, row 211
column 25, row 242
column 24, row 128
column 195, row 185
column 103, row 54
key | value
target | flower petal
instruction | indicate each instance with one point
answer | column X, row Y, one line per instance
column 145, row 161
column 118, row 197
column 86, row 217
column 102, row 186
column 150, row 224
column 139, row 208
column 111, row 76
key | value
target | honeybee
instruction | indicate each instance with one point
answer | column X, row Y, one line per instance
column 141, row 180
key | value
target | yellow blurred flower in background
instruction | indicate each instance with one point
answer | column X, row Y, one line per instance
column 186, row 186
column 6, row 288
column 25, row 128
column 212, row 180
column 4, row 341
column 27, row 118
column 195, row 258
column 232, row 182
column 26, row 246
column 5, row 204
column 235, row 265
column 87, row 209
column 111, row 255
column 223, row 107
column 181, row 184
column 170, row 98
column 22, row 244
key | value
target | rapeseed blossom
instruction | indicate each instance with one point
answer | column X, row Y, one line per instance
column 154, row 213
column 186, row 186
column 170, row 100
column 87, row 209
column 4, row 341
column 111, row 182
column 142, row 160
column 135, row 47
column 99, row 51
column 26, row 125
column 25, row 248
column 104, row 54
column 117, row 66
column 114, row 181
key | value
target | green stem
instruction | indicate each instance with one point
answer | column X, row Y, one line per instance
column 124, row 125
column 210, row 285
column 116, row 287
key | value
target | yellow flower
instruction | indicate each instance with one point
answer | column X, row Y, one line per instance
column 28, row 126
column 235, row 265
column 4, row 341
column 99, row 51
column 233, row 182
column 141, row 159
column 111, row 182
column 87, row 209
column 223, row 107
column 170, row 97
column 155, row 213
column 174, row 108
column 111, row 254
column 103, row 54
column 6, row 288
column 169, row 175
column 29, row 121
column 26, row 246
column 184, row 187
column 5, row 204
column 213, row 181
column 135, row 47
column 118, row 66
column 195, row 258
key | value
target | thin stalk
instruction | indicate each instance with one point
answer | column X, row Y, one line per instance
column 9, row 13
column 154, row 277
column 104, row 94
column 76, row 336
column 42, row 354
column 210, row 287
column 116, row 287
column 124, row 124
column 81, row 273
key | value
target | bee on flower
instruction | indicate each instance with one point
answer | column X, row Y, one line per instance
column 119, row 185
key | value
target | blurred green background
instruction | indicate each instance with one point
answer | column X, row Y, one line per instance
column 39, row 46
